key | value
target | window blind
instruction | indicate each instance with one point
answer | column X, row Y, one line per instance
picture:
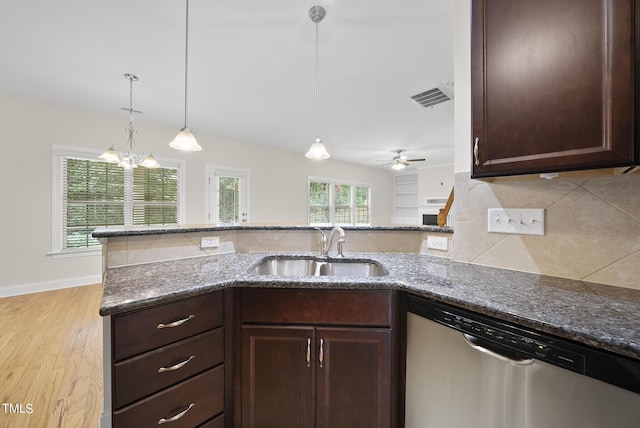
column 155, row 196
column 97, row 193
column 93, row 196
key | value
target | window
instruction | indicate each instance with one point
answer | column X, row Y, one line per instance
column 93, row 196
column 338, row 202
column 155, row 196
column 319, row 210
column 227, row 195
column 89, row 193
column 228, row 200
column 362, row 204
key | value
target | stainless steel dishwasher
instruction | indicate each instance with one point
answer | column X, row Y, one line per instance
column 466, row 370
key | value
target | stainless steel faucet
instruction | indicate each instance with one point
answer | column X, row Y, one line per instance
column 340, row 241
column 323, row 242
column 326, row 246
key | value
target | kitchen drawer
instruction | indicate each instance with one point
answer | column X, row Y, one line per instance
column 296, row 306
column 198, row 399
column 144, row 330
column 139, row 376
column 217, row 422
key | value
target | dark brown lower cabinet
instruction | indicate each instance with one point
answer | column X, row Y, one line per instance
column 312, row 376
column 277, row 381
column 168, row 365
column 353, row 381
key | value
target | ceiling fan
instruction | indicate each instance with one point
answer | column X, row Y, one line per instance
column 400, row 161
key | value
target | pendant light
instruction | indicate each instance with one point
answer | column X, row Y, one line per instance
column 185, row 140
column 317, row 150
column 127, row 158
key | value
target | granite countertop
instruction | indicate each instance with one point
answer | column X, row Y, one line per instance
column 598, row 315
column 109, row 232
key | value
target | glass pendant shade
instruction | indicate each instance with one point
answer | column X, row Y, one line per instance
column 150, row 162
column 317, row 151
column 127, row 165
column 185, row 141
column 110, row 155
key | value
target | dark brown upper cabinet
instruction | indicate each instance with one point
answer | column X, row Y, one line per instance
column 554, row 86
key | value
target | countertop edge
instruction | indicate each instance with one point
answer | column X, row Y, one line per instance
column 111, row 232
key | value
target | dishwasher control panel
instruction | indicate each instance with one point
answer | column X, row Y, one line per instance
column 528, row 344
column 523, row 342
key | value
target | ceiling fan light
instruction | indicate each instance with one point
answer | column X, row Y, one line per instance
column 110, row 155
column 185, row 141
column 317, row 151
column 398, row 166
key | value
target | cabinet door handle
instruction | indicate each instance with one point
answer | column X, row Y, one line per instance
column 321, row 358
column 176, row 366
column 475, row 151
column 176, row 417
column 308, row 352
column 175, row 323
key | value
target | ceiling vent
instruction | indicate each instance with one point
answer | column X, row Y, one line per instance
column 437, row 95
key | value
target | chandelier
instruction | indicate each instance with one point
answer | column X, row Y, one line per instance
column 127, row 157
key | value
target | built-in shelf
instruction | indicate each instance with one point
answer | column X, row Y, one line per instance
column 405, row 199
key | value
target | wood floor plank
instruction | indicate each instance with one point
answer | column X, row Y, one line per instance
column 51, row 359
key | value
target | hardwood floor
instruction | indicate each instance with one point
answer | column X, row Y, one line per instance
column 51, row 359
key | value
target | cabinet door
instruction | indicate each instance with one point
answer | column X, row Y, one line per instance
column 552, row 85
column 277, row 376
column 353, row 379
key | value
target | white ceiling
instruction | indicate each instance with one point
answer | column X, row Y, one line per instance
column 251, row 68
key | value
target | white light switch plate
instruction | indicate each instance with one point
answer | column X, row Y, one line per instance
column 210, row 242
column 516, row 220
column 437, row 243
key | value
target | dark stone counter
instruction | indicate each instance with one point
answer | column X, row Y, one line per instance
column 601, row 316
column 110, row 232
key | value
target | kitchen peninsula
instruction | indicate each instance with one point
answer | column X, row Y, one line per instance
column 595, row 315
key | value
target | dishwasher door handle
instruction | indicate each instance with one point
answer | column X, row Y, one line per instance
column 474, row 342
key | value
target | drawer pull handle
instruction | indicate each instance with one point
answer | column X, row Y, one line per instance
column 176, row 323
column 176, row 417
column 321, row 352
column 177, row 366
column 308, row 352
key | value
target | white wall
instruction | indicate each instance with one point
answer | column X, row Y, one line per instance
column 462, row 78
column 435, row 182
column 30, row 128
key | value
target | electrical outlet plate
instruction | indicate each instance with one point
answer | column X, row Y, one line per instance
column 210, row 242
column 516, row 220
column 437, row 243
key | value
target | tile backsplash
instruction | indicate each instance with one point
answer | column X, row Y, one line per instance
column 122, row 251
column 592, row 227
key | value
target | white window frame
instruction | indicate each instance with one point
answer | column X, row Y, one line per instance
column 332, row 205
column 59, row 152
column 210, row 188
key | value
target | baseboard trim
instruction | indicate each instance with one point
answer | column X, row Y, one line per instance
column 38, row 287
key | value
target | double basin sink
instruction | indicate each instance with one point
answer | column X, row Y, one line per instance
column 318, row 266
